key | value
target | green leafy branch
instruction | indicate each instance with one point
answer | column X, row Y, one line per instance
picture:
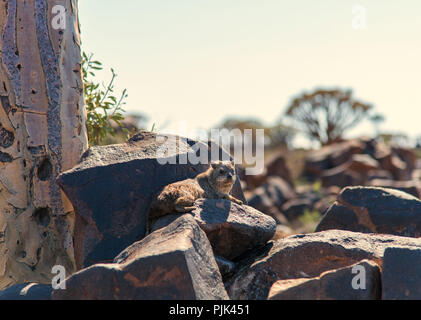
column 102, row 105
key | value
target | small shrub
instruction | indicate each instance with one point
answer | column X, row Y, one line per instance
column 309, row 220
column 317, row 187
column 101, row 104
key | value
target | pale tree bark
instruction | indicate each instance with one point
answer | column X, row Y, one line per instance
column 42, row 133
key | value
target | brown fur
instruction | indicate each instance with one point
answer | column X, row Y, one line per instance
column 215, row 183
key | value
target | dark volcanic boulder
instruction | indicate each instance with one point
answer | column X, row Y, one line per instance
column 172, row 263
column 353, row 172
column 364, row 154
column 332, row 285
column 307, row 256
column 395, row 165
column 270, row 197
column 400, row 162
column 277, row 166
column 325, row 203
column 113, row 186
column 401, row 277
column 374, row 210
column 341, row 176
column 251, row 182
column 363, row 163
column 331, row 156
column 408, row 156
column 27, row 291
column 295, row 208
column 411, row 187
column 226, row 267
column 232, row 229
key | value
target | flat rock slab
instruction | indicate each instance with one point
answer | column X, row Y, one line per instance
column 374, row 210
column 175, row 262
column 307, row 256
column 27, row 291
column 401, row 277
column 232, row 229
column 112, row 187
column 361, row 281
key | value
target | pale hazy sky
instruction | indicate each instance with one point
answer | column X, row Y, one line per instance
column 200, row 61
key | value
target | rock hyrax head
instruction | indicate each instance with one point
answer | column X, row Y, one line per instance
column 223, row 172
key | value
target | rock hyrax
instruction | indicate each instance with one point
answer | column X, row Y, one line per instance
column 215, row 183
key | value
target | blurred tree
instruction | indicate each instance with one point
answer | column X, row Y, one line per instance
column 278, row 135
column 325, row 115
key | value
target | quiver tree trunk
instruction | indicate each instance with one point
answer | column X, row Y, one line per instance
column 42, row 132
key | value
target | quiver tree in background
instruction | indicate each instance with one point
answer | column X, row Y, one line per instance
column 325, row 115
column 42, row 132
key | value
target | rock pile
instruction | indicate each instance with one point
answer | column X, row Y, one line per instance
column 359, row 162
column 307, row 257
column 367, row 245
column 175, row 262
column 112, row 187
